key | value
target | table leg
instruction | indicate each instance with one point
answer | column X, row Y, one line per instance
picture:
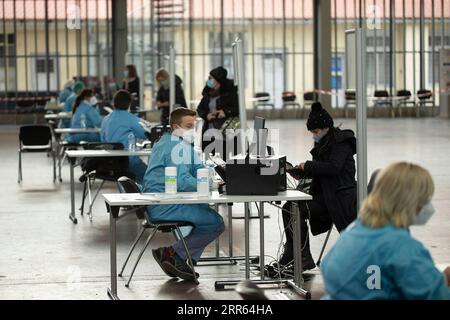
column 112, row 290
column 247, row 240
column 261, row 239
column 230, row 230
column 72, row 192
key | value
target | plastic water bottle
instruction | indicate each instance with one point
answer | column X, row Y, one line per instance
column 83, row 120
column 170, row 179
column 203, row 182
column 131, row 142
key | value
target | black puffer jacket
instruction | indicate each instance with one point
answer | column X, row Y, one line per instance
column 333, row 175
column 227, row 101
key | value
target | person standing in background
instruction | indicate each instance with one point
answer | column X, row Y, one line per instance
column 163, row 95
column 66, row 92
column 131, row 84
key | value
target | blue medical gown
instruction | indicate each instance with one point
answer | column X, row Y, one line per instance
column 64, row 94
column 68, row 103
column 171, row 151
column 115, row 128
column 93, row 120
column 405, row 267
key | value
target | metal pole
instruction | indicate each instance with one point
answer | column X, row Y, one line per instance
column 261, row 239
column 361, row 114
column 172, row 78
column 247, row 240
column 238, row 56
column 422, row 46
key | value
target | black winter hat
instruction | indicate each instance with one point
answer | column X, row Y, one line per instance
column 318, row 118
column 219, row 73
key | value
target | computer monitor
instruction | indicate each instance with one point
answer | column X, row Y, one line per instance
column 259, row 123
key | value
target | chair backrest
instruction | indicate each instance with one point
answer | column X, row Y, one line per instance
column 288, row 96
column 310, row 96
column 156, row 132
column 381, row 93
column 127, row 185
column 424, row 94
column 403, row 93
column 111, row 166
column 262, row 96
column 35, row 135
column 350, row 94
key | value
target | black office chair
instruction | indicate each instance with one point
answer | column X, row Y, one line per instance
column 350, row 99
column 127, row 185
column 308, row 99
column 382, row 98
column 404, row 100
column 369, row 190
column 262, row 101
column 35, row 138
column 289, row 99
column 101, row 168
column 424, row 97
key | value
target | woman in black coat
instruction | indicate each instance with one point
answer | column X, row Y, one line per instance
column 163, row 95
column 333, row 185
column 219, row 102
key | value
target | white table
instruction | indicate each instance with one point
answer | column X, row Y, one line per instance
column 115, row 201
column 72, row 155
column 77, row 130
column 58, row 116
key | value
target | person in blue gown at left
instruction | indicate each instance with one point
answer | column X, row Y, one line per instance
column 85, row 115
column 118, row 125
column 70, row 100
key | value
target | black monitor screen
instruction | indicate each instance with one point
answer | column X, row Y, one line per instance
column 259, row 123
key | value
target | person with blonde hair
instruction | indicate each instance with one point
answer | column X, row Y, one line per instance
column 376, row 257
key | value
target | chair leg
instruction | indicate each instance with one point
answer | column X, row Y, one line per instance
column 139, row 236
column 149, row 239
column 93, row 200
column 19, row 179
column 191, row 264
column 84, row 197
column 54, row 166
column 323, row 247
column 89, row 193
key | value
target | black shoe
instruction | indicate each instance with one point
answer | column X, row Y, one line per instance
column 160, row 256
column 307, row 261
column 287, row 257
column 180, row 268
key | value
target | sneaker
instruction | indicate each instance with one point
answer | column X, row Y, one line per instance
column 161, row 255
column 175, row 265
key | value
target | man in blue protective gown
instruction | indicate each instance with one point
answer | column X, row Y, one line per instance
column 118, row 125
column 176, row 150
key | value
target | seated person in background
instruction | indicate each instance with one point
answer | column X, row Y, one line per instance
column 376, row 257
column 333, row 186
column 68, row 104
column 85, row 115
column 66, row 92
column 118, row 125
column 176, row 150
column 163, row 95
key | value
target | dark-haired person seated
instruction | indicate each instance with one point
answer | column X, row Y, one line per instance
column 175, row 149
column 333, row 186
column 376, row 257
column 85, row 115
column 119, row 124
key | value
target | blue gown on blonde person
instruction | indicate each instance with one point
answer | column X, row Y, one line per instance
column 93, row 120
column 115, row 128
column 169, row 151
column 404, row 268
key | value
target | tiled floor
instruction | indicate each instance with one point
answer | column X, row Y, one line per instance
column 45, row 256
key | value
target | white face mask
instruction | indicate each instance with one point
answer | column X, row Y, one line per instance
column 424, row 215
column 93, row 101
column 319, row 136
column 188, row 135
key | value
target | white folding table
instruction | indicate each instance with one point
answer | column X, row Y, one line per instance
column 115, row 201
column 72, row 155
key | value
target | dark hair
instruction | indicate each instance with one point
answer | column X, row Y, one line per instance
column 132, row 73
column 85, row 93
column 122, row 99
column 177, row 115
